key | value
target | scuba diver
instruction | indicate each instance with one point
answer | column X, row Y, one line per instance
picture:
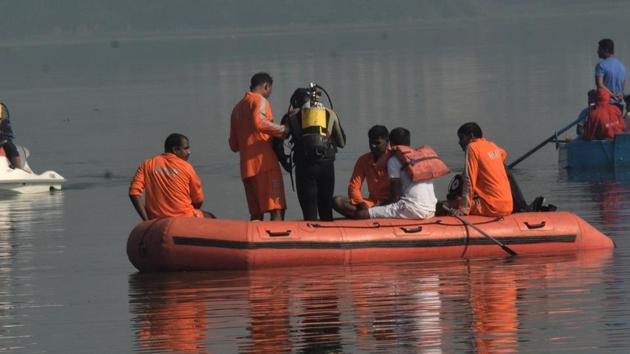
column 315, row 135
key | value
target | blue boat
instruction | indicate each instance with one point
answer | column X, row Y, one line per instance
column 595, row 154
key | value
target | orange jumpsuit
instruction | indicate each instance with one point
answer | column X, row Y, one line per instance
column 605, row 120
column 377, row 179
column 251, row 129
column 172, row 187
column 486, row 189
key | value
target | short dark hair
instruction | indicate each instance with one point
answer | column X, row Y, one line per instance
column 259, row 79
column 400, row 136
column 470, row 129
column 378, row 131
column 174, row 140
column 299, row 97
column 607, row 45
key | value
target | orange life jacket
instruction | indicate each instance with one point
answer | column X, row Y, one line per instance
column 421, row 164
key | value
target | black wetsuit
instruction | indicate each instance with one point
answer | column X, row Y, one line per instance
column 315, row 177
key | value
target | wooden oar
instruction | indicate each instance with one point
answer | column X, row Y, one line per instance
column 546, row 141
column 501, row 244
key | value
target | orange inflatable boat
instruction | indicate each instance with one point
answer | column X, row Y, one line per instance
column 185, row 243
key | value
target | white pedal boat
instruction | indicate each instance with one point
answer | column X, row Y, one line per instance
column 15, row 180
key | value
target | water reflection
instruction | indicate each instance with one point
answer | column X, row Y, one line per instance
column 21, row 218
column 494, row 312
column 479, row 306
column 607, row 191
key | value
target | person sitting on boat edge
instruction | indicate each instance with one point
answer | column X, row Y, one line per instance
column 365, row 169
column 6, row 140
column 486, row 187
column 170, row 184
column 605, row 120
column 409, row 199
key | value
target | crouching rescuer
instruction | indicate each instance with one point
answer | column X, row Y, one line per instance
column 411, row 172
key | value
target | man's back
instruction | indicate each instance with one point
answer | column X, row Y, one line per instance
column 420, row 194
column 486, row 174
column 250, row 132
column 171, row 186
column 613, row 73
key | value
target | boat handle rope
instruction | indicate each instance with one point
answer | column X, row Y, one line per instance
column 498, row 218
column 535, row 226
column 376, row 225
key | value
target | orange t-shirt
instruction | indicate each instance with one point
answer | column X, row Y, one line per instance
column 251, row 129
column 171, row 184
column 377, row 180
column 485, row 177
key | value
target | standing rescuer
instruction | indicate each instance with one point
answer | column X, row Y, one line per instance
column 315, row 135
column 251, row 130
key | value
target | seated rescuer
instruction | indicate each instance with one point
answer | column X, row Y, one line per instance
column 366, row 169
column 315, row 134
column 486, row 187
column 6, row 139
column 409, row 199
column 605, row 120
column 171, row 185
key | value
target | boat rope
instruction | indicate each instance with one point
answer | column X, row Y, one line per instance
column 467, row 241
column 376, row 224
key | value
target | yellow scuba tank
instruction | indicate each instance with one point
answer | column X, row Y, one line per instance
column 312, row 142
column 314, row 118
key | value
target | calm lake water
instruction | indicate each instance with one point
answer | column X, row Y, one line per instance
column 93, row 109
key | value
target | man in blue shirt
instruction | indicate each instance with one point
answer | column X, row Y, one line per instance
column 610, row 72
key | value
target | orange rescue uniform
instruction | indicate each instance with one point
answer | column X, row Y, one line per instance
column 605, row 120
column 486, row 189
column 251, row 129
column 171, row 184
column 377, row 179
